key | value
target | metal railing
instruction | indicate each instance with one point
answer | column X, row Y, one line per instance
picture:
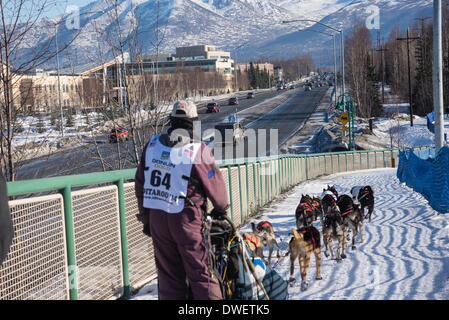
column 87, row 244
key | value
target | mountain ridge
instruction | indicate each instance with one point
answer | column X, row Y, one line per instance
column 228, row 24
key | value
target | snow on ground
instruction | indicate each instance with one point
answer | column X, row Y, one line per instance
column 403, row 134
column 405, row 254
column 406, row 249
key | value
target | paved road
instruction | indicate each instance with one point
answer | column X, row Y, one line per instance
column 286, row 120
column 83, row 159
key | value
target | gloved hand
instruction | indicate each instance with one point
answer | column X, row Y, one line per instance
column 144, row 219
column 218, row 214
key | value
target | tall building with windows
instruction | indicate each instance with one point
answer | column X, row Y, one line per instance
column 205, row 57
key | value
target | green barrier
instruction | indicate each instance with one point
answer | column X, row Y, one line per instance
column 290, row 170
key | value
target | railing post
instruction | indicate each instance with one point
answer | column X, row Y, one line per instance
column 353, row 160
column 278, row 181
column 367, row 158
column 338, row 161
column 307, row 169
column 261, row 185
column 360, row 158
column 255, row 187
column 270, row 181
column 331, row 163
column 123, row 238
column 248, row 200
column 346, row 161
column 240, row 195
column 70, row 242
column 230, row 192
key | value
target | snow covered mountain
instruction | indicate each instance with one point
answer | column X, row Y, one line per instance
column 229, row 24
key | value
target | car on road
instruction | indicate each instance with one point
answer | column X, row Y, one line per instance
column 233, row 101
column 213, row 107
column 118, row 135
column 292, row 87
column 226, row 137
column 280, row 87
column 308, row 88
column 250, row 95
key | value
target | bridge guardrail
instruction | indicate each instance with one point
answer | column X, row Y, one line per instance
column 87, row 244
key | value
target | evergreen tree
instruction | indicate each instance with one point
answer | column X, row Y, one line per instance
column 373, row 92
column 252, row 75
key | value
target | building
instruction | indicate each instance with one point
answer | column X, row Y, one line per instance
column 205, row 57
column 190, row 71
column 46, row 92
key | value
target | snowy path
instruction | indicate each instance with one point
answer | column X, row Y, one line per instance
column 406, row 249
column 405, row 254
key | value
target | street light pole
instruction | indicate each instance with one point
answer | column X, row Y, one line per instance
column 335, row 60
column 438, row 75
column 235, row 65
column 59, row 81
column 342, row 48
column 343, row 84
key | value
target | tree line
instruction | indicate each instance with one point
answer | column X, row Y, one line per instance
column 389, row 61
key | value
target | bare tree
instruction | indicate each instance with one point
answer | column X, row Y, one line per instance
column 20, row 23
column 360, row 72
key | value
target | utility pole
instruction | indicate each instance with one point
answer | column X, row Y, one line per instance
column 408, row 39
column 438, row 75
column 343, row 66
column 382, row 63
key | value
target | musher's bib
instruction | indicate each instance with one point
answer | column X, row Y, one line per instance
column 167, row 175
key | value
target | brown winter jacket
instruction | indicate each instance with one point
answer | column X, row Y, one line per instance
column 206, row 186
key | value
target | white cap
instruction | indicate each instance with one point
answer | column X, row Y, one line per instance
column 184, row 109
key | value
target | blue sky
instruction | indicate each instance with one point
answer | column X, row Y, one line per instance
column 58, row 7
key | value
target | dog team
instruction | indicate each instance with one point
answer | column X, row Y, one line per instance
column 339, row 215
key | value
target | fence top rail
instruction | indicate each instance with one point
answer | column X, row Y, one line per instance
column 59, row 183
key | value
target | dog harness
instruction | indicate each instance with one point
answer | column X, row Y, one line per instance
column 252, row 240
column 263, row 225
column 308, row 231
column 365, row 192
column 167, row 175
column 308, row 207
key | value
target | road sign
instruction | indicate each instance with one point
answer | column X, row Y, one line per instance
column 344, row 118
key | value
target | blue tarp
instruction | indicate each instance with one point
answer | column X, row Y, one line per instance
column 427, row 175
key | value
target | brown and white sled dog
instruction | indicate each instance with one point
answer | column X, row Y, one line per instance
column 265, row 232
column 302, row 245
column 334, row 229
column 354, row 222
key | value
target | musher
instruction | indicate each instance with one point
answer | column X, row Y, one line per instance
column 175, row 177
